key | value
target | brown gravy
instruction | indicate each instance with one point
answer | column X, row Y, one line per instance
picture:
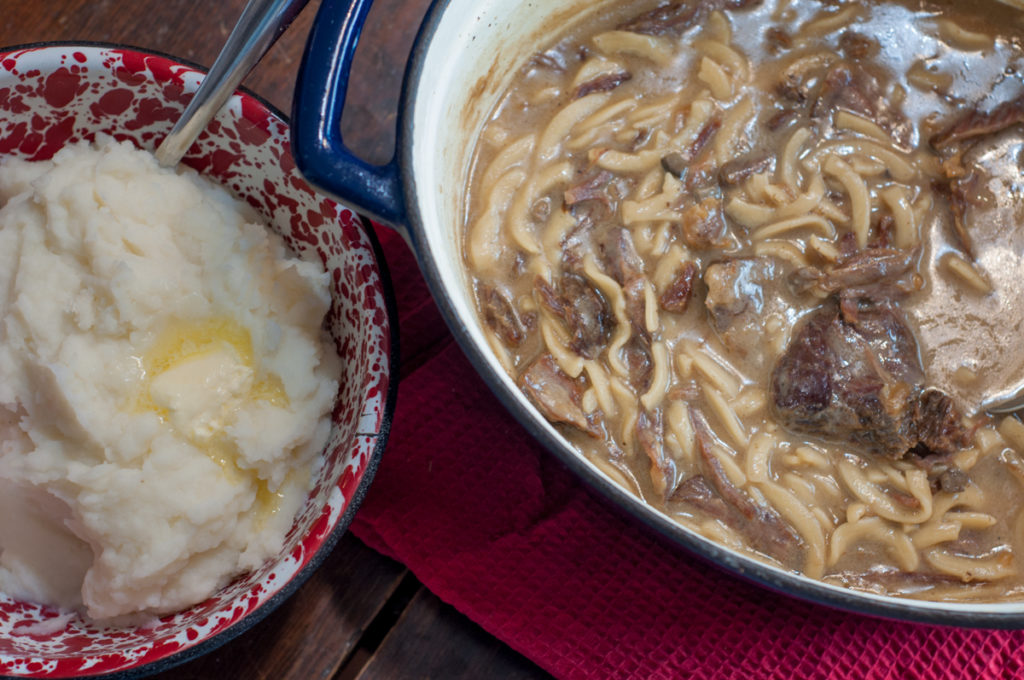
column 760, row 265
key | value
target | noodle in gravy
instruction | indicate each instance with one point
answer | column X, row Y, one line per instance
column 759, row 263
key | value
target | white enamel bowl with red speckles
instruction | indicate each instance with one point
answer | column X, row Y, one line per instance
column 52, row 95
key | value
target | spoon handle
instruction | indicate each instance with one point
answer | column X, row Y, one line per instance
column 260, row 25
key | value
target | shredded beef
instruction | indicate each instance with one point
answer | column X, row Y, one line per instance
column 501, row 315
column 978, row 124
column 781, row 119
column 761, row 524
column 602, row 83
column 847, row 86
column 740, row 169
column 706, row 134
column 675, row 18
column 556, row 395
column 591, row 187
column 961, row 180
column 870, row 266
column 873, row 272
column 820, row 87
column 582, row 309
column 650, row 434
column 955, row 192
column 627, row 268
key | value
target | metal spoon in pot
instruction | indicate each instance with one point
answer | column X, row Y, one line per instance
column 1005, row 404
column 259, row 27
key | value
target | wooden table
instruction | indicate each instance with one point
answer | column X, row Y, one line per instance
column 360, row 615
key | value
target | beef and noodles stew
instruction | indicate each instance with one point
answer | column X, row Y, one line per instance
column 759, row 262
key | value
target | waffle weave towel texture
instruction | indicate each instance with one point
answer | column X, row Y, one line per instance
column 494, row 525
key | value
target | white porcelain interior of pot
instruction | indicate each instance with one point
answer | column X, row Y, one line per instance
column 454, row 97
column 476, row 48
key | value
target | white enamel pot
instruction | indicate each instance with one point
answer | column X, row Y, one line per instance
column 463, row 58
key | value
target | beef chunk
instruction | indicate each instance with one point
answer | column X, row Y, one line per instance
column 590, row 188
column 703, row 224
column 857, row 378
column 582, row 309
column 676, row 297
column 735, row 288
column 556, row 395
column 953, row 480
column 501, row 315
column 624, row 264
column 940, row 428
column 637, row 355
column 741, row 294
column 846, row 86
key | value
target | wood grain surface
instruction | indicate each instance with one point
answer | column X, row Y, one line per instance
column 360, row 615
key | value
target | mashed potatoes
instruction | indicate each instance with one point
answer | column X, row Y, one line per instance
column 165, row 384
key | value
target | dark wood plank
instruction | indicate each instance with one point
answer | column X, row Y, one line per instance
column 433, row 640
column 315, row 630
column 195, row 31
column 191, row 30
column 368, row 124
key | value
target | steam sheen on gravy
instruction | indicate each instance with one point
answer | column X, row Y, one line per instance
column 759, row 262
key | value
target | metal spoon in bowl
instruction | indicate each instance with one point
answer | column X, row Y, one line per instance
column 259, row 27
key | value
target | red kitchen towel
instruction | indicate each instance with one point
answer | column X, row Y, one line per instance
column 492, row 524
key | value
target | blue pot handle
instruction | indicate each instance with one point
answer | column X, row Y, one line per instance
column 317, row 145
